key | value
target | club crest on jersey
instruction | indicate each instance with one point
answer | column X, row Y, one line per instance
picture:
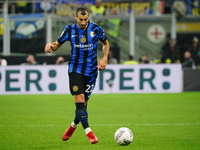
column 92, row 33
column 83, row 39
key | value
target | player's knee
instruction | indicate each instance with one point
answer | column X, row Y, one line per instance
column 80, row 98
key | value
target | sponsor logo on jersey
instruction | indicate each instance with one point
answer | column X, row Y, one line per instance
column 74, row 35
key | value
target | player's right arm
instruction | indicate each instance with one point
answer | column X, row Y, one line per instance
column 50, row 47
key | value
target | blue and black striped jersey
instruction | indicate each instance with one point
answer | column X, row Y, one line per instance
column 84, row 43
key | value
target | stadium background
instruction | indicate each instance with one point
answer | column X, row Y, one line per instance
column 47, row 16
column 147, row 23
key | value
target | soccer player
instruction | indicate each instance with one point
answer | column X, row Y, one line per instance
column 83, row 65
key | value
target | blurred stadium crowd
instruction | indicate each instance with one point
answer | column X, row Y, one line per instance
column 170, row 51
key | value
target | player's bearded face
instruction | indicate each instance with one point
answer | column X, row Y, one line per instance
column 82, row 20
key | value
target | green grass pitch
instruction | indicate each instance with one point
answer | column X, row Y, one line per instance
column 158, row 121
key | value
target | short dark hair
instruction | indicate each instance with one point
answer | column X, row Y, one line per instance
column 130, row 57
column 83, row 10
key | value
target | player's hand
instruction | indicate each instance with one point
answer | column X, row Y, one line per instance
column 102, row 64
column 48, row 47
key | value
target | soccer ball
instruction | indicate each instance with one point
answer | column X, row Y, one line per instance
column 123, row 136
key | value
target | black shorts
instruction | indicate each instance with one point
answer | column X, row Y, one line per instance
column 80, row 84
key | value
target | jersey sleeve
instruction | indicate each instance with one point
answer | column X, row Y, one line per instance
column 64, row 35
column 102, row 36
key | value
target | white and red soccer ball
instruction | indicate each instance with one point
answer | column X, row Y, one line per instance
column 123, row 136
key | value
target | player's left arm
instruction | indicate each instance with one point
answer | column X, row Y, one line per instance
column 103, row 62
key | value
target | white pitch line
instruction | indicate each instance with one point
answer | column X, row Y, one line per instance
column 106, row 125
column 148, row 124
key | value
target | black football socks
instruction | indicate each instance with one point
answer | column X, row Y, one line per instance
column 81, row 115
